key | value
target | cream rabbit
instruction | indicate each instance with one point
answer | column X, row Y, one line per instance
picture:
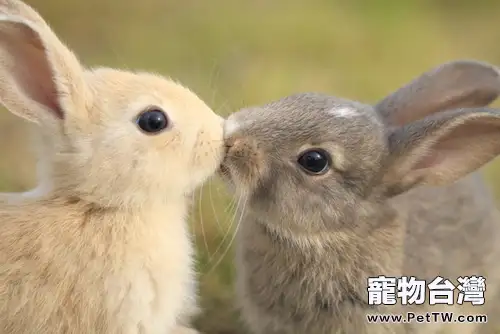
column 338, row 191
column 102, row 245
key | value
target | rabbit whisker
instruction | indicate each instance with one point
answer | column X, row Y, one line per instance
column 229, row 246
column 193, row 221
column 229, row 228
column 200, row 216
column 216, row 216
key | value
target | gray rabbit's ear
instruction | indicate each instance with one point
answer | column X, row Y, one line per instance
column 457, row 84
column 442, row 148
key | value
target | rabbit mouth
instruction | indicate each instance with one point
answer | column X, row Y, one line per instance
column 223, row 170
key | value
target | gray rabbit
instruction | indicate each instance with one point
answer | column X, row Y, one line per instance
column 339, row 191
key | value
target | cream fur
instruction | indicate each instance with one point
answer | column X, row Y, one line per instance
column 101, row 245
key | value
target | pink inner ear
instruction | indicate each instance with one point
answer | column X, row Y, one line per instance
column 31, row 70
column 458, row 144
column 432, row 158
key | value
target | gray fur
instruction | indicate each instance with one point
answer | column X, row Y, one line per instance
column 403, row 198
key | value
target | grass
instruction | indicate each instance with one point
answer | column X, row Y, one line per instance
column 238, row 53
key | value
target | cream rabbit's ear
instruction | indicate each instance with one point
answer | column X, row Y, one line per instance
column 39, row 76
column 20, row 9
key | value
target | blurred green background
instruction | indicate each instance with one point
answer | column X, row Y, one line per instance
column 237, row 53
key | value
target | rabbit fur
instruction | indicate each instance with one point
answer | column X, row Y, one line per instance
column 102, row 244
column 400, row 196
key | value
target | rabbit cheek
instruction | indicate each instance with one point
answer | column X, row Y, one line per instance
column 207, row 156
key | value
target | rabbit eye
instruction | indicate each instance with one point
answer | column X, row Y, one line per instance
column 315, row 161
column 152, row 121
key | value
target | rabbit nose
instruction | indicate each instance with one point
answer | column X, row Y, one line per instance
column 230, row 127
column 231, row 142
column 230, row 138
